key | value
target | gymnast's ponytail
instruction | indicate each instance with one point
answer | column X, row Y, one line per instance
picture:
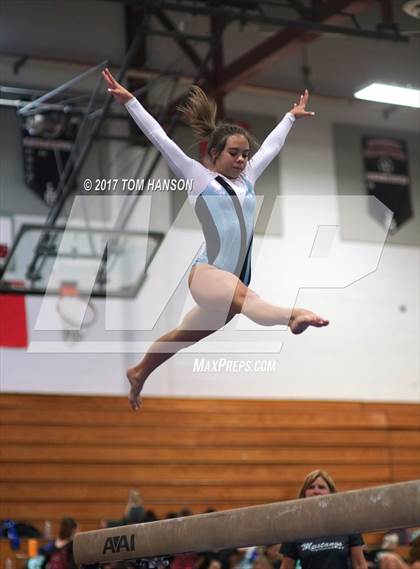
column 200, row 112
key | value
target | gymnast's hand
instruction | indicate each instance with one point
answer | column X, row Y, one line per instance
column 299, row 109
column 121, row 95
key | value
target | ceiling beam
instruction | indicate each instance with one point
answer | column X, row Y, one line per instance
column 387, row 12
column 312, row 21
column 282, row 44
column 188, row 50
column 300, row 8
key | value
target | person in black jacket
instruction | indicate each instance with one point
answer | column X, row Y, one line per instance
column 338, row 552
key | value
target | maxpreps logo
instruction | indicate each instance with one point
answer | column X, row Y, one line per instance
column 118, row 543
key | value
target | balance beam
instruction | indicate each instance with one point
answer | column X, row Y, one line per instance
column 371, row 509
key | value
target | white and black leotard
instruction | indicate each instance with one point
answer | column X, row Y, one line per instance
column 225, row 207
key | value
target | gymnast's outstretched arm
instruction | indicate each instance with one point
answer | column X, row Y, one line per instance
column 182, row 165
column 276, row 139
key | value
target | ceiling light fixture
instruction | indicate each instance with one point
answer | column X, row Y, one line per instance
column 391, row 94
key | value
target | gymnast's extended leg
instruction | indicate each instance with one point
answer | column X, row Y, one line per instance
column 219, row 295
column 214, row 289
column 197, row 324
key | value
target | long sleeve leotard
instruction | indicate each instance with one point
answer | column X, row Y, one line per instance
column 225, row 207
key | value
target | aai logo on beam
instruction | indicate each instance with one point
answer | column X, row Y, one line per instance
column 118, row 543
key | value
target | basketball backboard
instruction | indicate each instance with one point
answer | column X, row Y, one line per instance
column 98, row 262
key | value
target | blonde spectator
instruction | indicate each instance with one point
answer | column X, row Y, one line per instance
column 339, row 552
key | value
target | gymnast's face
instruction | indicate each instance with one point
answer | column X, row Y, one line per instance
column 233, row 158
column 318, row 488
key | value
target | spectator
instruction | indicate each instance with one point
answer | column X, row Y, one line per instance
column 59, row 553
column 171, row 515
column 150, row 516
column 187, row 561
column 339, row 552
column 261, row 562
column 134, row 510
column 230, row 558
column 133, row 514
column 387, row 557
column 213, row 563
column 414, row 556
column 273, row 555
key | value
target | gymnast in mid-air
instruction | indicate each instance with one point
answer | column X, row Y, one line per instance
column 224, row 200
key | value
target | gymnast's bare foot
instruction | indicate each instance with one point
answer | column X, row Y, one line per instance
column 301, row 319
column 136, row 379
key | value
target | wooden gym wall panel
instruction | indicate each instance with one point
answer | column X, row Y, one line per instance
column 79, row 456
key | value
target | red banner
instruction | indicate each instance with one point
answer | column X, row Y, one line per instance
column 13, row 328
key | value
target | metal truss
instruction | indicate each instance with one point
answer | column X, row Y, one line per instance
column 311, row 15
column 89, row 130
column 312, row 19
